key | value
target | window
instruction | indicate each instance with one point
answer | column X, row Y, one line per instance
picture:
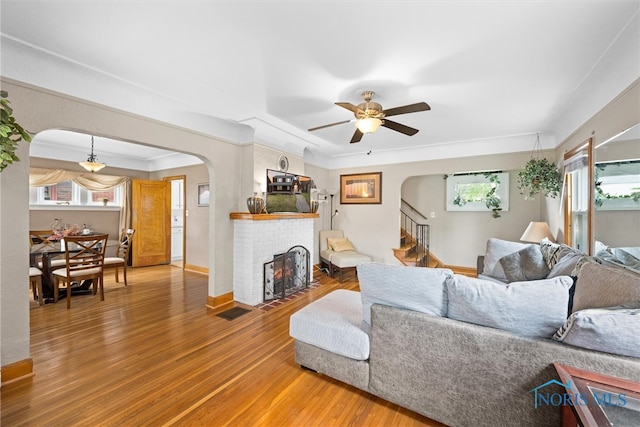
column 618, row 185
column 63, row 193
column 473, row 191
column 68, row 193
column 111, row 197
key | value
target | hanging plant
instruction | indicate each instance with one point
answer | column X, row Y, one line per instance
column 459, row 200
column 10, row 133
column 539, row 176
column 491, row 199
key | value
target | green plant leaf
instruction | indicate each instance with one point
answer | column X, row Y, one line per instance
column 10, row 133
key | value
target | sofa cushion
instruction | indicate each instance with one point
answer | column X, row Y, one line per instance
column 418, row 289
column 599, row 286
column 333, row 323
column 628, row 256
column 582, row 260
column 535, row 308
column 550, row 252
column 565, row 266
column 496, row 249
column 526, row 264
column 612, row 330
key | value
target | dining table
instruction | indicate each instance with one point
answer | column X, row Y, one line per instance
column 41, row 256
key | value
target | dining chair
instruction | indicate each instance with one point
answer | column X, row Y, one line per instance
column 41, row 238
column 84, row 257
column 122, row 254
column 35, row 280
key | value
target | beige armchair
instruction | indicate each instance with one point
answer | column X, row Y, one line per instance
column 338, row 255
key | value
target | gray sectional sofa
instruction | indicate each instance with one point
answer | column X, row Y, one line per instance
column 471, row 352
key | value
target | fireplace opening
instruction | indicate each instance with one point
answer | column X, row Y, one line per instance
column 287, row 273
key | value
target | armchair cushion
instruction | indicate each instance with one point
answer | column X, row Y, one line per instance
column 325, row 235
column 340, row 245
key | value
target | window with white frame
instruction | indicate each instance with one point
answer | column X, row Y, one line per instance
column 618, row 185
column 470, row 191
column 68, row 193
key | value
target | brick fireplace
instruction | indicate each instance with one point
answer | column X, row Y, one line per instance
column 256, row 239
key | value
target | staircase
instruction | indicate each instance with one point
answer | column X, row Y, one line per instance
column 414, row 240
column 414, row 243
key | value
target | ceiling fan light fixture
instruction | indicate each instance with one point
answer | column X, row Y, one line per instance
column 368, row 124
column 91, row 164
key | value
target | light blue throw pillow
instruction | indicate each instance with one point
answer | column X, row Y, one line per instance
column 535, row 308
column 412, row 288
column 613, row 330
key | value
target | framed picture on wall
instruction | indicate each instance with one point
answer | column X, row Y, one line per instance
column 203, row 194
column 361, row 188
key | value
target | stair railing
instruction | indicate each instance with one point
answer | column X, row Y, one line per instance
column 417, row 234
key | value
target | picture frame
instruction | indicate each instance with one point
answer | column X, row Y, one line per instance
column 203, row 194
column 361, row 188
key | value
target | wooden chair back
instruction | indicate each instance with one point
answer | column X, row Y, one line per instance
column 40, row 237
column 124, row 247
column 84, row 257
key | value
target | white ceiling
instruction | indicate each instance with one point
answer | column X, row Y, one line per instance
column 495, row 73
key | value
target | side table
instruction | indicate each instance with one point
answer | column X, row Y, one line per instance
column 598, row 399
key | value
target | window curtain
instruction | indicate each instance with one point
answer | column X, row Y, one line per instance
column 88, row 181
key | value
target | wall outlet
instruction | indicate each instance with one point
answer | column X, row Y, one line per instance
column 433, row 214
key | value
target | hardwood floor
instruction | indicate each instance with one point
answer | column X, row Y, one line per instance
column 153, row 354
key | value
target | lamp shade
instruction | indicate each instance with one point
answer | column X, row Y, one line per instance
column 92, row 166
column 368, row 125
column 536, row 231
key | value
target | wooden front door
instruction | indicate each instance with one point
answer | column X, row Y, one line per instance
column 151, row 218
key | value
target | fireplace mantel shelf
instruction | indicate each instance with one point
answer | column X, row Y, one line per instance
column 270, row 217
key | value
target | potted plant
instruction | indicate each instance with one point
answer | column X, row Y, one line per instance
column 539, row 176
column 10, row 133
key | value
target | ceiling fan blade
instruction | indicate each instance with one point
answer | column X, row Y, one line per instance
column 399, row 127
column 412, row 108
column 329, row 125
column 349, row 107
column 357, row 136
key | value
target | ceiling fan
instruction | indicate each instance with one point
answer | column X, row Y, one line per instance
column 370, row 116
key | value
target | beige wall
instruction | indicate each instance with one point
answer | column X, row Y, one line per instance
column 375, row 229
column 322, row 180
column 457, row 238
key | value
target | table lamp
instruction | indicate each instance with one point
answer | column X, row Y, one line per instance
column 536, row 231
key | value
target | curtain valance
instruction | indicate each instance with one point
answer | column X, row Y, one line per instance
column 88, row 181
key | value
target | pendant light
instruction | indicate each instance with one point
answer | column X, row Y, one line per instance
column 92, row 165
